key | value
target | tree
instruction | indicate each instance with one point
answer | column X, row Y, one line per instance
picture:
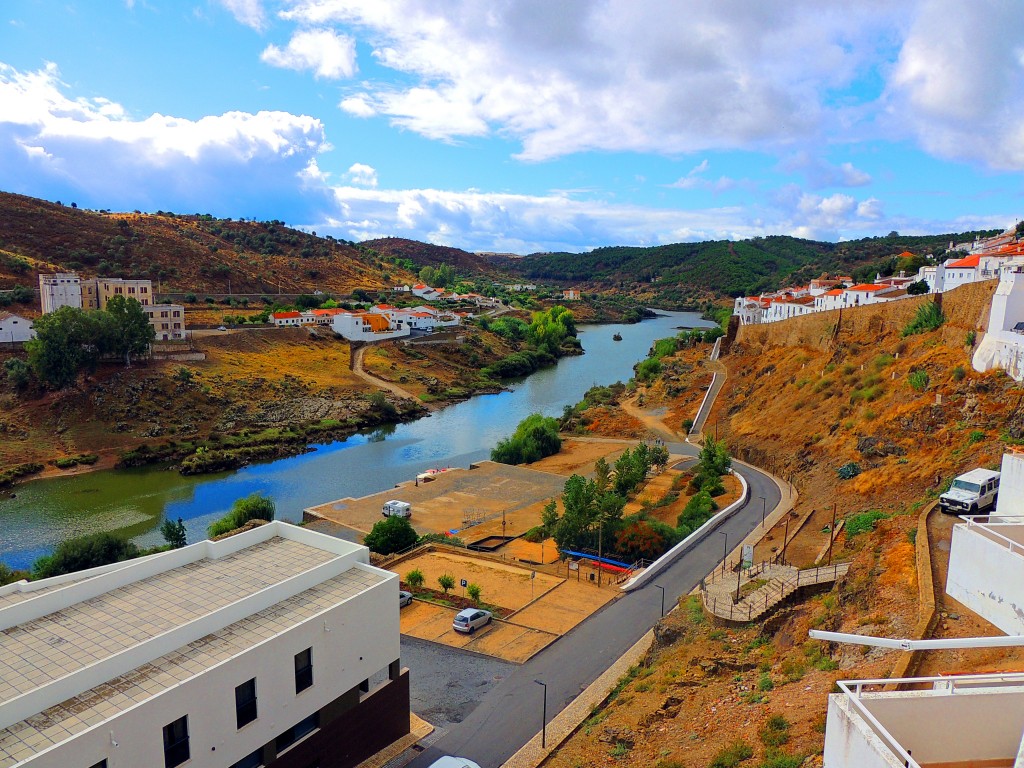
column 86, row 552
column 918, row 288
column 255, row 506
column 130, row 331
column 414, row 578
column 473, row 590
column 18, row 373
column 67, row 340
column 173, row 533
column 447, row 581
column 392, row 534
column 535, row 437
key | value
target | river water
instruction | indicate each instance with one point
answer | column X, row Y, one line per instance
column 134, row 502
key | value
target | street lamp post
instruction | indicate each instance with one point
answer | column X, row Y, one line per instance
column 544, row 717
column 764, row 510
column 662, row 599
column 725, row 549
column 785, row 540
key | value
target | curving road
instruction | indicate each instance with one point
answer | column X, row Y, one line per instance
column 510, row 715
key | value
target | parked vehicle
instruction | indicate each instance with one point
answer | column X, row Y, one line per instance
column 971, row 493
column 395, row 508
column 404, row 598
column 453, row 762
column 470, row 619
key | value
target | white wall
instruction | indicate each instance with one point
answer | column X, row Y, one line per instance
column 15, row 328
column 363, row 639
column 850, row 743
column 986, row 577
column 1000, row 347
column 1011, row 486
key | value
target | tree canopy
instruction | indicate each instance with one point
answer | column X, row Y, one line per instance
column 392, row 534
column 534, row 438
column 255, row 506
column 86, row 552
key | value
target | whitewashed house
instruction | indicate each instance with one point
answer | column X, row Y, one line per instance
column 1002, row 346
column 368, row 326
column 14, row 328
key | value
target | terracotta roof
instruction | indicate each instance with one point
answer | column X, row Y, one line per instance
column 284, row 315
column 834, row 292
column 967, row 261
column 867, row 287
column 906, row 255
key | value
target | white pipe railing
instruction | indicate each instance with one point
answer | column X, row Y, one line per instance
column 904, row 644
column 988, row 526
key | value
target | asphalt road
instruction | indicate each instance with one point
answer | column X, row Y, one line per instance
column 510, row 714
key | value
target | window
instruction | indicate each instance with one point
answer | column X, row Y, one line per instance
column 303, row 670
column 252, row 760
column 176, row 742
column 297, row 731
column 101, row 764
column 245, row 702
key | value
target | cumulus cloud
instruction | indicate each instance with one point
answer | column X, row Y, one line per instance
column 361, row 175
column 92, row 149
column 957, row 87
column 820, row 173
column 324, row 52
column 620, row 75
column 248, row 12
column 695, row 180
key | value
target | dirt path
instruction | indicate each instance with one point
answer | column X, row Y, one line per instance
column 652, row 420
column 369, row 378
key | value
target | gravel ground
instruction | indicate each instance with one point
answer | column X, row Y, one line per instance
column 446, row 683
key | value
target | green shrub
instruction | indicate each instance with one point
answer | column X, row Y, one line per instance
column 255, row 506
column 971, row 337
column 446, row 582
column 86, row 552
column 473, row 590
column 776, row 759
column 959, row 373
column 849, row 470
column 392, row 534
column 775, row 732
column 918, row 380
column 534, row 438
column 976, row 436
column 863, row 522
column 929, row 317
column 414, row 578
column 732, row 756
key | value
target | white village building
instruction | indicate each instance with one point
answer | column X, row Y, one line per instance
column 15, row 328
column 276, row 647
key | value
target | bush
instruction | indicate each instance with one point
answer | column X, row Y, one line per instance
column 732, row 756
column 19, row 374
column 863, row 522
column 473, row 590
column 959, row 373
column 446, row 582
column 255, row 506
column 534, row 438
column 173, row 533
column 918, row 380
column 86, row 552
column 414, row 578
column 970, row 338
column 775, row 732
column 848, row 471
column 392, row 534
column 929, row 317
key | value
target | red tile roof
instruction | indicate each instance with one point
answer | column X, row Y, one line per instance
column 967, row 261
column 284, row 315
column 867, row 287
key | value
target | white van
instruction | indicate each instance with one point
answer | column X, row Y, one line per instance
column 395, row 508
column 971, row 493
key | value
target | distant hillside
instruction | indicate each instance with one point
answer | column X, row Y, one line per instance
column 686, row 272
column 466, row 264
column 185, row 253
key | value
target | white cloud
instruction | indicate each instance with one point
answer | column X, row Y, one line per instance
column 957, row 87
column 326, row 53
column 620, row 75
column 361, row 175
column 248, row 12
column 820, row 173
column 92, row 148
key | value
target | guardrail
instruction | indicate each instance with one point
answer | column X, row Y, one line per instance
column 988, row 526
column 771, row 594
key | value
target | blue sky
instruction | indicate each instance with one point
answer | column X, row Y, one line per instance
column 523, row 125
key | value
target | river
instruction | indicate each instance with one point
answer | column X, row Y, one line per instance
column 133, row 502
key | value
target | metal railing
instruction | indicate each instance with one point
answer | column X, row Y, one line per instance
column 988, row 526
column 771, row 594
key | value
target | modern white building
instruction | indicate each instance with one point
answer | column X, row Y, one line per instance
column 15, row 328
column 63, row 289
column 1002, row 346
column 368, row 326
column 276, row 647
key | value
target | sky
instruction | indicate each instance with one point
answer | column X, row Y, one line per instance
column 523, row 125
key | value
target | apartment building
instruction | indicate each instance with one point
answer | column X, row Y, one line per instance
column 277, row 647
column 168, row 321
column 63, row 289
column 99, row 290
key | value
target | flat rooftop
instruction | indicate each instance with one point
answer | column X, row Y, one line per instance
column 1004, row 530
column 184, row 611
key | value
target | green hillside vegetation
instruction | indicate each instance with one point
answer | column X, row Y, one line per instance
column 681, row 273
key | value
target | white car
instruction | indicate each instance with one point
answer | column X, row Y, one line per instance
column 453, row 762
column 404, row 598
column 469, row 619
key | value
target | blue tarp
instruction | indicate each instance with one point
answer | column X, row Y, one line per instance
column 607, row 560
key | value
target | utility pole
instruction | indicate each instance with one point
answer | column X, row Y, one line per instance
column 600, row 530
column 831, row 534
column 785, row 539
column 725, row 549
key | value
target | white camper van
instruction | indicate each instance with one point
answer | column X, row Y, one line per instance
column 396, row 508
column 971, row 493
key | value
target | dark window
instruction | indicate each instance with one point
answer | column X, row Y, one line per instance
column 176, row 742
column 297, row 731
column 303, row 670
column 101, row 764
column 253, row 760
column 245, row 702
